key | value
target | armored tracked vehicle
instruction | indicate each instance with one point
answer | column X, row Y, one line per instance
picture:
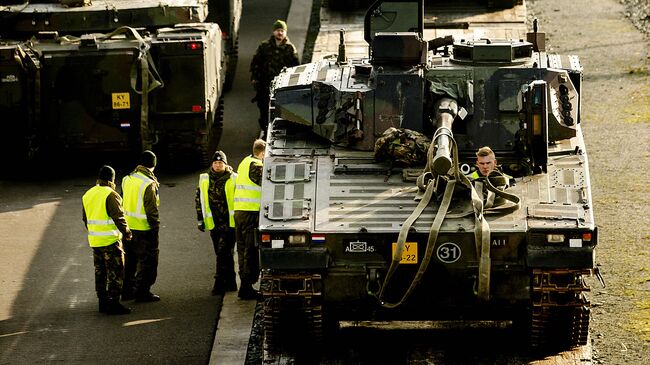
column 116, row 75
column 350, row 230
column 358, row 4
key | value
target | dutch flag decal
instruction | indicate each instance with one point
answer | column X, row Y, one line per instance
column 317, row 238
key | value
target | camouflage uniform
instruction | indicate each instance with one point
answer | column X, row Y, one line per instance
column 141, row 263
column 402, row 146
column 109, row 260
column 223, row 236
column 246, row 223
column 268, row 61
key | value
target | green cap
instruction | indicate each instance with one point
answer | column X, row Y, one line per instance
column 279, row 24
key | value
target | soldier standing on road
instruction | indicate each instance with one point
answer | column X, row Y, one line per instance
column 141, row 201
column 104, row 218
column 271, row 57
column 248, row 196
column 215, row 212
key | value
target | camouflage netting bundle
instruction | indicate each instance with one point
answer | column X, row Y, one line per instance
column 402, row 147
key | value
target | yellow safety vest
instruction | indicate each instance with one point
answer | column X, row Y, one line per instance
column 248, row 195
column 133, row 187
column 474, row 175
column 204, row 184
column 102, row 231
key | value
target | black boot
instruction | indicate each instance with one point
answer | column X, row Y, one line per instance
column 115, row 307
column 231, row 285
column 246, row 292
column 146, row 297
column 128, row 294
column 218, row 288
column 103, row 305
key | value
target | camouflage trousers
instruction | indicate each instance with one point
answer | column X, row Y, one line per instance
column 262, row 98
column 109, row 270
column 141, row 261
column 247, row 251
column 223, row 242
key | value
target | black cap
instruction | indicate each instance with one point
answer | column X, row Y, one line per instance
column 220, row 156
column 148, row 159
column 106, row 173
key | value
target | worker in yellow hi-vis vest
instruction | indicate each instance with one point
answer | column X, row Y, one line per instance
column 104, row 218
column 141, row 202
column 248, row 196
column 215, row 212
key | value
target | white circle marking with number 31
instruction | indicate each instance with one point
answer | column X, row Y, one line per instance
column 448, row 252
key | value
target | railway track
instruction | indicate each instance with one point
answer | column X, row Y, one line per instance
column 479, row 342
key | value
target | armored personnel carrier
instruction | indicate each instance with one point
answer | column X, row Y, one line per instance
column 116, row 75
column 359, row 4
column 363, row 220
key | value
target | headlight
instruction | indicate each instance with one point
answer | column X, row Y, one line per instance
column 555, row 238
column 297, row 239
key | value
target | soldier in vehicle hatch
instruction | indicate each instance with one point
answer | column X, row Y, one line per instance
column 486, row 162
column 271, row 57
column 215, row 212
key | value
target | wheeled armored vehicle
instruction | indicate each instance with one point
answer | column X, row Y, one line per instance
column 350, row 230
column 116, row 75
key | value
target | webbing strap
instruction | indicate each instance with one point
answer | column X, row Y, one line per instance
column 481, row 230
column 401, row 238
column 515, row 200
column 481, row 239
column 144, row 105
column 431, row 243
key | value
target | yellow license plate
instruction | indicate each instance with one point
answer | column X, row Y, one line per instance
column 410, row 253
column 121, row 100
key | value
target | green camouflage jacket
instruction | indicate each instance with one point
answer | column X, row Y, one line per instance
column 402, row 146
column 270, row 59
column 216, row 199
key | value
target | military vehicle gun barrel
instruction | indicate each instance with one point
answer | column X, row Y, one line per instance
column 446, row 111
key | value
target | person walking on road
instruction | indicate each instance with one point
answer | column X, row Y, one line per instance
column 248, row 196
column 104, row 219
column 141, row 202
column 271, row 56
column 215, row 212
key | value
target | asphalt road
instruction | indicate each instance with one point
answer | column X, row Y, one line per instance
column 48, row 308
